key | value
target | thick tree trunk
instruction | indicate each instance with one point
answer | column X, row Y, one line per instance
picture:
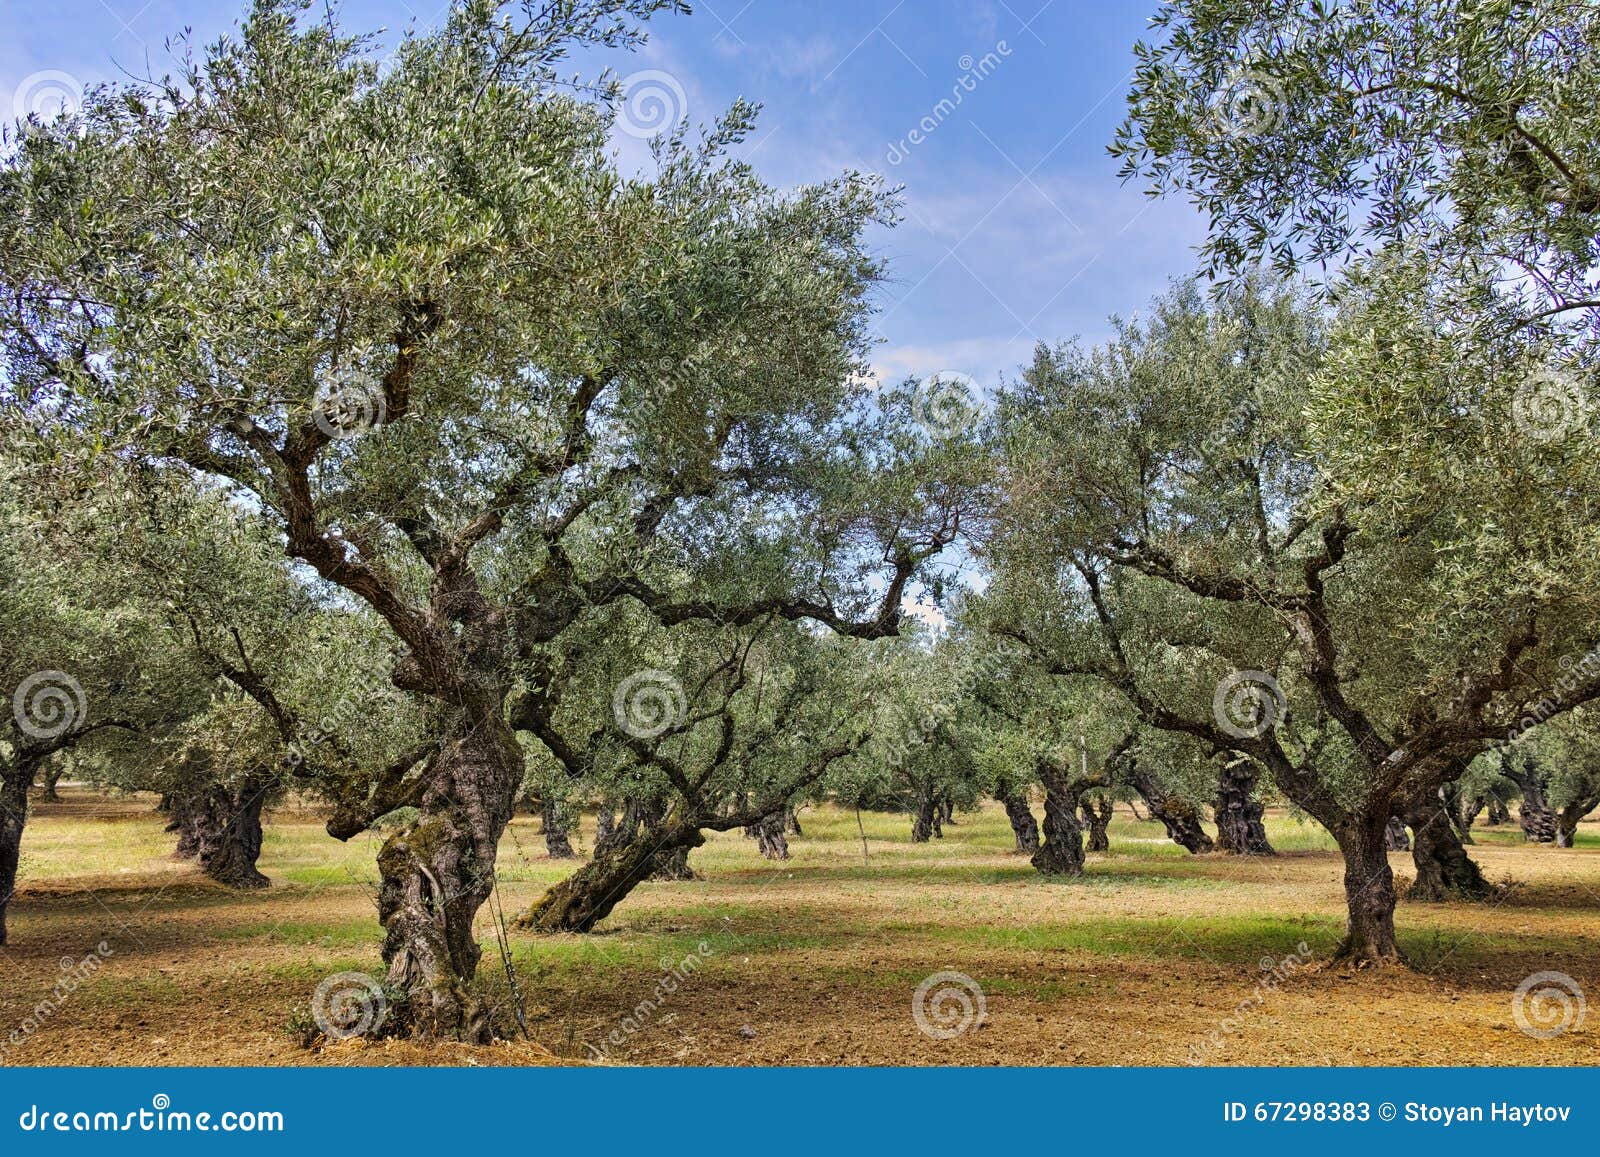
column 220, row 827
column 1097, row 817
column 1499, row 813
column 947, row 810
column 605, row 826
column 1444, row 870
column 1395, row 837
column 1538, row 821
column 51, row 778
column 672, row 864
column 792, row 821
column 553, row 819
column 1023, row 826
column 1176, row 814
column 230, row 856
column 1239, row 813
column 769, row 836
column 925, row 819
column 587, row 896
column 1369, row 893
column 14, row 788
column 1061, row 852
column 439, row 870
column 1460, row 810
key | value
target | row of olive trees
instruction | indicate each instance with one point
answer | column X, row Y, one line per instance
column 478, row 385
column 1349, row 535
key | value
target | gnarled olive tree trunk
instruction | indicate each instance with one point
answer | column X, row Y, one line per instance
column 1023, row 826
column 1177, row 815
column 587, row 896
column 1096, row 810
column 770, row 837
column 1239, row 813
column 1395, row 837
column 439, row 870
column 553, row 819
column 1444, row 870
column 1061, row 852
column 925, row 821
column 14, row 787
column 1369, row 892
column 220, row 826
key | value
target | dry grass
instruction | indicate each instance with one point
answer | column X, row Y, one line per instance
column 814, row 961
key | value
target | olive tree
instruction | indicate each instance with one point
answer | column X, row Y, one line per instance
column 1208, row 515
column 474, row 377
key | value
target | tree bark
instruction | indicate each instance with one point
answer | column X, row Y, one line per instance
column 1369, row 893
column 605, row 825
column 1460, row 810
column 1061, row 852
column 1239, row 813
column 1537, row 820
column 792, row 819
column 768, row 833
column 553, row 819
column 439, row 870
column 925, row 820
column 1395, row 837
column 220, row 827
column 1023, row 826
column 1499, row 813
column 587, row 896
column 51, row 778
column 1097, row 817
column 1177, row 815
column 14, row 787
column 1444, row 870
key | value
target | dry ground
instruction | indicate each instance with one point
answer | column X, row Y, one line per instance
column 814, row 961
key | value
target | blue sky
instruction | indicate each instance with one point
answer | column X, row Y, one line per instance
column 1016, row 228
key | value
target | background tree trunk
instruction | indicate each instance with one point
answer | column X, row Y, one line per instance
column 769, row 836
column 1061, row 853
column 51, row 778
column 1499, row 813
column 1023, row 826
column 924, row 819
column 1444, row 870
column 1177, row 815
column 1395, row 837
column 605, row 825
column 1239, row 813
column 792, row 819
column 553, row 820
column 1096, row 809
column 587, row 896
